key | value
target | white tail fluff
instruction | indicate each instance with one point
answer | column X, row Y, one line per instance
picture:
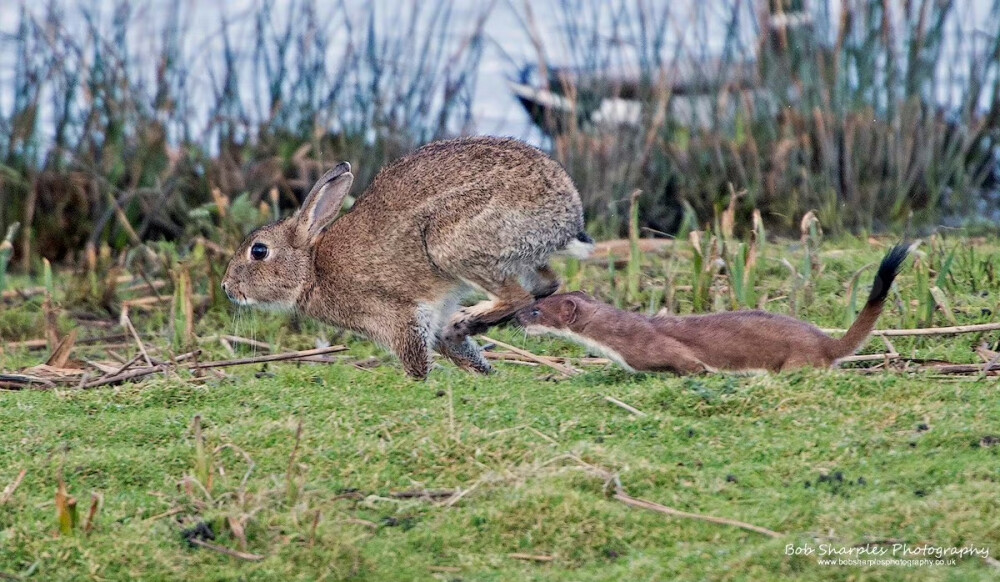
column 577, row 249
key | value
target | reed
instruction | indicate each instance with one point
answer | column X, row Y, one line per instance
column 122, row 127
column 6, row 251
column 121, row 124
column 864, row 138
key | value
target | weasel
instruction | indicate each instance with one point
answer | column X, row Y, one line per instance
column 737, row 340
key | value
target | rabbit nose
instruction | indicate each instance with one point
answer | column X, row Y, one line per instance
column 225, row 288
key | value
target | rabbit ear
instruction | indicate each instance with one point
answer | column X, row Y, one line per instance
column 323, row 203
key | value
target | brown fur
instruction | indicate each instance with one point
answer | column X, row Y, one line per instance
column 738, row 340
column 482, row 213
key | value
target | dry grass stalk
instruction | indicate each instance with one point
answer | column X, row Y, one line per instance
column 951, row 330
column 247, row 341
column 624, row 406
column 272, row 358
column 611, row 479
column 519, row 359
column 239, row 532
column 427, row 494
column 887, row 356
column 445, row 569
column 988, row 369
column 126, row 322
column 545, row 361
column 66, row 510
column 248, row 557
column 49, row 377
column 531, row 557
column 168, row 513
column 652, row 506
column 37, row 344
column 291, row 486
column 95, row 504
column 8, row 491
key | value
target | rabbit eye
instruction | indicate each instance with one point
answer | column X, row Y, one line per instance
column 258, row 251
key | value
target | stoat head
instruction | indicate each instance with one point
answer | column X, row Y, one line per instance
column 556, row 313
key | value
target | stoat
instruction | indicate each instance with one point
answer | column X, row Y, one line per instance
column 737, row 340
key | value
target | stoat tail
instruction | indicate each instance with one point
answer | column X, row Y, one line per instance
column 580, row 247
column 865, row 323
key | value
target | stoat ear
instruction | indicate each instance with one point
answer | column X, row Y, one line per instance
column 323, row 203
column 568, row 311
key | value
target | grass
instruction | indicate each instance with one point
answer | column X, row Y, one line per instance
column 121, row 125
column 864, row 137
column 298, row 464
column 818, row 455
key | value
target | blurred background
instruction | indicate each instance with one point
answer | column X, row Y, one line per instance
column 126, row 122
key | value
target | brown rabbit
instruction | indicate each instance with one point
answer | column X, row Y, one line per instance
column 473, row 213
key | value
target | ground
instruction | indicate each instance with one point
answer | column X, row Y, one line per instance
column 832, row 457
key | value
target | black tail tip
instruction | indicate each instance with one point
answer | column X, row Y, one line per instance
column 584, row 238
column 887, row 272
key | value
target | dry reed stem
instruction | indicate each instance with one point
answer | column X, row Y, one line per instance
column 127, row 372
column 236, row 526
column 62, row 350
column 126, row 376
column 19, row 381
column 167, row 513
column 224, row 550
column 519, row 359
column 620, row 495
column 624, row 406
column 652, row 506
column 271, row 358
column 95, row 505
column 37, row 344
column 988, row 369
column 530, row 557
column 430, row 494
column 951, row 330
column 127, row 324
column 8, row 491
column 545, row 361
column 886, row 356
column 290, row 472
column 247, row 341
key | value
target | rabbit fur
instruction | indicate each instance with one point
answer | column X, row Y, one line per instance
column 454, row 216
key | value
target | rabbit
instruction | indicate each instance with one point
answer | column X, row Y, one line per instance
column 476, row 213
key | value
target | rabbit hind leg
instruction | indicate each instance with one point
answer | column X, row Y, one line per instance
column 465, row 354
column 510, row 296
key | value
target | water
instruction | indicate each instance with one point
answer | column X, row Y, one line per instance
column 495, row 109
column 508, row 44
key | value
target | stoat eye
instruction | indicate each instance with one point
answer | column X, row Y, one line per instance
column 535, row 313
column 258, row 251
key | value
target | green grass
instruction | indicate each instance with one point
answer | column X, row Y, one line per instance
column 822, row 456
